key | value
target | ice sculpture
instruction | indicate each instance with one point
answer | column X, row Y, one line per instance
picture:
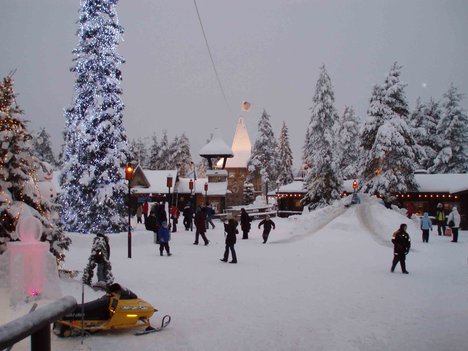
column 32, row 272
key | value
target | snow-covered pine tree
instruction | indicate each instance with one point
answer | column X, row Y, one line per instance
column 19, row 191
column 164, row 159
column 183, row 157
column 389, row 149
column 453, row 131
column 349, row 134
column 285, row 158
column 263, row 158
column 42, row 147
column 174, row 153
column 137, row 152
column 424, row 120
column 323, row 179
column 92, row 179
column 154, row 150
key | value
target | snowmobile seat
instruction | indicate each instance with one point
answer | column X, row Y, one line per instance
column 93, row 310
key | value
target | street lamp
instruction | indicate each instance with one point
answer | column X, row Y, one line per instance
column 129, row 176
column 206, row 194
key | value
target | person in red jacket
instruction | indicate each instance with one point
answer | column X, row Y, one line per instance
column 145, row 210
column 200, row 226
column 175, row 217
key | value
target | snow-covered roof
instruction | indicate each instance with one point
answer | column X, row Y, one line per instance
column 296, row 186
column 158, row 181
column 451, row 183
column 428, row 183
column 216, row 172
column 241, row 147
column 216, row 147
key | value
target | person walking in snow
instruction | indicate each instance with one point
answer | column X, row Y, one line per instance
column 164, row 238
column 245, row 223
column 100, row 257
column 145, row 210
column 200, row 226
column 231, row 231
column 267, row 225
column 440, row 219
column 453, row 221
column 188, row 217
column 152, row 224
column 139, row 213
column 426, row 225
column 402, row 244
column 209, row 212
column 175, row 217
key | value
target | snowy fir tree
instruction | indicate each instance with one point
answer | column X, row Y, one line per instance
column 138, row 152
column 19, row 191
column 348, row 131
column 93, row 197
column 285, row 158
column 154, row 150
column 164, row 159
column 424, row 121
column 263, row 158
column 389, row 150
column 42, row 148
column 453, row 131
column 323, row 179
column 182, row 157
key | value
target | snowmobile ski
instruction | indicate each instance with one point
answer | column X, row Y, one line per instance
column 164, row 323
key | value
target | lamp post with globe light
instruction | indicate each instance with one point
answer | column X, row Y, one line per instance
column 129, row 176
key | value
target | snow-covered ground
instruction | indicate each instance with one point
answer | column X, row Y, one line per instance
column 322, row 282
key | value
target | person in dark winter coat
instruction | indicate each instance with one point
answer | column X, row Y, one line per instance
column 153, row 225
column 209, row 212
column 188, row 217
column 267, row 225
column 440, row 219
column 231, row 231
column 145, row 210
column 200, row 226
column 164, row 238
column 245, row 223
column 402, row 244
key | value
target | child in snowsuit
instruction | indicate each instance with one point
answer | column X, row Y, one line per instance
column 231, row 230
column 267, row 224
column 402, row 244
column 164, row 238
column 426, row 225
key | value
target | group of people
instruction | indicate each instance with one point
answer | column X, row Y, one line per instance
column 445, row 224
column 402, row 241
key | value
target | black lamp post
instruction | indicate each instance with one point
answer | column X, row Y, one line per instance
column 206, row 194
column 129, row 176
column 190, row 185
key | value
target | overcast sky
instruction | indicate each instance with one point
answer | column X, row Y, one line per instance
column 267, row 52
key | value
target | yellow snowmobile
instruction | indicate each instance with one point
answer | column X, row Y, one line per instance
column 120, row 308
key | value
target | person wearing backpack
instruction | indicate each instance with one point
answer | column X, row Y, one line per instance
column 453, row 221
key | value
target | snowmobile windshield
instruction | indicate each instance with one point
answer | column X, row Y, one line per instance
column 125, row 294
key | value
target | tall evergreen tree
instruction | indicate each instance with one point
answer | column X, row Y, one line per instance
column 263, row 158
column 389, row 150
column 154, row 152
column 424, row 120
column 323, row 179
column 348, row 132
column 182, row 155
column 42, row 148
column 93, row 186
column 453, row 131
column 165, row 156
column 285, row 158
column 137, row 152
column 19, row 191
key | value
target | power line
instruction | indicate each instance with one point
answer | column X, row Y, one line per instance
column 211, row 58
